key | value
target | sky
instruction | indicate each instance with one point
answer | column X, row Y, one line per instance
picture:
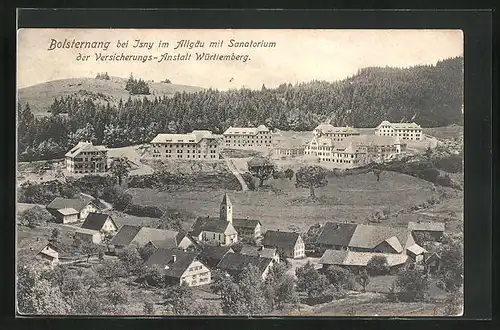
column 298, row 55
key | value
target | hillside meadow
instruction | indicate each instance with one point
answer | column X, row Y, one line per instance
column 41, row 96
column 282, row 205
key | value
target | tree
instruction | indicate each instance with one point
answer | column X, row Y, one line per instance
column 310, row 281
column 35, row 216
column 340, row 278
column 55, row 235
column 179, row 298
column 377, row 172
column 120, row 169
column 454, row 304
column 86, row 133
column 280, row 288
column 89, row 249
column 377, row 265
column 451, row 271
column 261, row 168
column 117, row 294
column 363, row 279
column 146, row 251
column 36, row 295
column 219, row 281
column 289, row 173
column 251, row 289
column 311, row 177
column 110, row 270
column 148, row 308
column 131, row 259
column 153, row 275
column 413, row 283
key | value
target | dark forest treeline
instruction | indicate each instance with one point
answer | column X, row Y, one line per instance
column 429, row 95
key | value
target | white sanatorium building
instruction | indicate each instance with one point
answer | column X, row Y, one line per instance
column 87, row 158
column 355, row 150
column 241, row 137
column 336, row 133
column 405, row 131
column 200, row 145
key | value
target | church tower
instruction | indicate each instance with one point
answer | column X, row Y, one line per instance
column 226, row 209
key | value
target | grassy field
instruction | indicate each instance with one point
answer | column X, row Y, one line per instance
column 446, row 132
column 352, row 198
column 41, row 96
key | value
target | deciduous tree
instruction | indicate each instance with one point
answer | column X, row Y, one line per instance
column 311, row 177
column 261, row 168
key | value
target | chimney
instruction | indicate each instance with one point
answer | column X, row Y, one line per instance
column 174, row 258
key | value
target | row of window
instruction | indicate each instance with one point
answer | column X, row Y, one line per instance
column 181, row 145
column 192, row 269
column 187, row 156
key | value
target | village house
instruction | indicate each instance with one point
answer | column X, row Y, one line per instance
column 250, row 228
column 261, row 251
column 241, row 137
column 335, row 133
column 211, row 255
column 234, row 263
column 100, row 222
column 416, row 253
column 217, row 231
column 405, row 131
column 137, row 236
column 63, row 209
column 42, row 252
column 364, row 238
column 355, row 150
column 433, row 230
column 288, row 244
column 197, row 145
column 356, row 261
column 180, row 267
column 287, row 148
column 87, row 158
column 180, row 241
column 88, row 235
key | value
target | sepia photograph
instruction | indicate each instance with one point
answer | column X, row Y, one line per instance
column 235, row 172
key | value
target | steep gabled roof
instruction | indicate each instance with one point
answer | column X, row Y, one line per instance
column 83, row 146
column 246, row 223
column 125, row 235
column 95, row 221
column 74, row 203
column 333, row 257
column 164, row 258
column 68, row 211
column 258, row 251
column 336, row 233
column 280, row 238
column 416, row 249
column 147, row 234
column 362, row 258
column 235, row 263
column 212, row 255
column 368, row 236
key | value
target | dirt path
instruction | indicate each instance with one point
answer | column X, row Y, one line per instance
column 236, row 173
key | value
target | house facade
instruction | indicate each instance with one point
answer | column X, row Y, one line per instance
column 335, row 133
column 218, row 231
column 288, row 244
column 197, row 145
column 242, row 137
column 88, row 235
column 180, row 267
column 287, row 148
column 356, row 150
column 87, row 158
column 83, row 206
column 50, row 254
column 100, row 222
column 248, row 227
column 404, row 131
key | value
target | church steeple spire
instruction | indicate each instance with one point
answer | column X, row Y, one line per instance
column 226, row 209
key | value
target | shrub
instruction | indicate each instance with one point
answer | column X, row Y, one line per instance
column 340, row 277
column 35, row 216
column 144, row 211
column 377, row 265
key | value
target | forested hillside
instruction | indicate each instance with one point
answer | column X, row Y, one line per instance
column 429, row 95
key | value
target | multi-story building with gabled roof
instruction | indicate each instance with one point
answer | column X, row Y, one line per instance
column 87, row 158
column 335, row 133
column 197, row 145
column 241, row 137
column 404, row 131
